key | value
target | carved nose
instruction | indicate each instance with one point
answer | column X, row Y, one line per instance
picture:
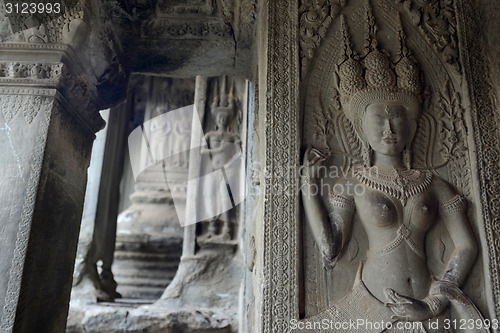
column 387, row 130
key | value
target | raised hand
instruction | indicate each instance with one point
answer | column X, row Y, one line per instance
column 312, row 161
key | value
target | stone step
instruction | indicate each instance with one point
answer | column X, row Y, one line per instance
column 143, row 282
column 160, row 265
column 137, row 273
column 163, row 257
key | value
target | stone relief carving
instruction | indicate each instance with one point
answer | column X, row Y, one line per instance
column 21, row 70
column 484, row 118
column 30, row 104
column 315, row 19
column 183, row 30
column 280, row 129
column 224, row 145
column 203, row 7
column 380, row 97
column 48, row 106
column 437, row 20
column 453, row 135
column 65, row 28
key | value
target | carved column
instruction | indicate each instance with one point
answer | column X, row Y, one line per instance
column 276, row 277
column 149, row 235
column 97, row 238
column 210, row 273
column 49, row 102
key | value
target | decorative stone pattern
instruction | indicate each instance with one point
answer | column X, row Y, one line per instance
column 437, row 20
column 169, row 20
column 25, row 70
column 186, row 8
column 280, row 252
column 11, row 105
column 167, row 29
column 47, row 28
column 453, row 138
column 485, row 128
column 315, row 19
column 15, row 273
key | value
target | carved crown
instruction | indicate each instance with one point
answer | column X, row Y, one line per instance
column 372, row 77
column 223, row 102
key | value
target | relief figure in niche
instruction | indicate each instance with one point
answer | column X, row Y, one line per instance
column 395, row 203
column 223, row 148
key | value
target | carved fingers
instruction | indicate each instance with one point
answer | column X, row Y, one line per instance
column 313, row 155
column 407, row 308
column 313, row 158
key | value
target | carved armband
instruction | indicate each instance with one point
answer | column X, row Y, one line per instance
column 434, row 304
column 307, row 180
column 454, row 205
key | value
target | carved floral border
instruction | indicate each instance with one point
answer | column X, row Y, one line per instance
column 281, row 216
column 485, row 118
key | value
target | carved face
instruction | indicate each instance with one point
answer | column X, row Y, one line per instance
column 387, row 128
column 221, row 119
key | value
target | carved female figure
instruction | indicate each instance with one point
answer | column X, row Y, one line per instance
column 223, row 148
column 397, row 206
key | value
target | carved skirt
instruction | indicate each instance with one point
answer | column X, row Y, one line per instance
column 360, row 311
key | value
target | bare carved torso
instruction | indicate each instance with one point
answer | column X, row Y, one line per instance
column 396, row 224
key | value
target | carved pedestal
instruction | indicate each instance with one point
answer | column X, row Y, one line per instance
column 149, row 239
column 149, row 235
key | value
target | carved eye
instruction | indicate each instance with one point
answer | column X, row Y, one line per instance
column 425, row 208
column 384, row 207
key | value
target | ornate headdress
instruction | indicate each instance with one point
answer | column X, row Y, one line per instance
column 223, row 102
column 371, row 77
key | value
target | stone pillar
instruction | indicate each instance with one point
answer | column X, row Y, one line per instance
column 210, row 273
column 149, row 237
column 97, row 238
column 49, row 102
column 276, row 274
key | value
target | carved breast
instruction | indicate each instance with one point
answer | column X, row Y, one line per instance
column 422, row 210
column 377, row 209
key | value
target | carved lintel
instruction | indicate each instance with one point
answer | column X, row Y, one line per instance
column 169, row 8
column 179, row 29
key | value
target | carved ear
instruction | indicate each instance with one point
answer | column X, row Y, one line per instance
column 358, row 126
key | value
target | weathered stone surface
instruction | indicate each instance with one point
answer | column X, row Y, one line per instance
column 51, row 93
column 186, row 38
column 133, row 318
column 97, row 238
column 149, row 235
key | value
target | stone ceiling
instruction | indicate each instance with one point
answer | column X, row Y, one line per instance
column 185, row 37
